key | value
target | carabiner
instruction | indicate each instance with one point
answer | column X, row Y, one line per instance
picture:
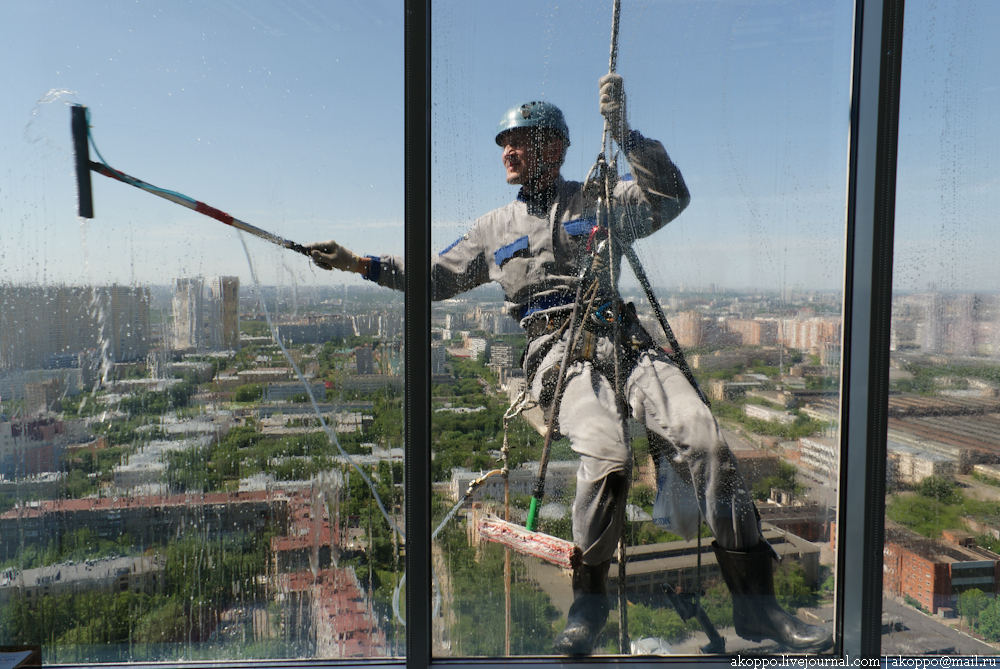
column 594, row 232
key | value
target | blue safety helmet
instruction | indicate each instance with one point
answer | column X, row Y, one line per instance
column 534, row 115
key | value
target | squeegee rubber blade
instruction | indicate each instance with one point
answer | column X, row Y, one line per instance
column 85, row 206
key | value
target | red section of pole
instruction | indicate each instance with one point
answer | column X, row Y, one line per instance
column 212, row 212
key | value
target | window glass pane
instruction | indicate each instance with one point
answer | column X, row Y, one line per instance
column 178, row 398
column 750, row 101
column 942, row 512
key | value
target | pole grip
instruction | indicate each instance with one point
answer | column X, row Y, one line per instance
column 532, row 515
column 85, row 197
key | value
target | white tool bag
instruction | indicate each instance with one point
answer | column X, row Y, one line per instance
column 676, row 508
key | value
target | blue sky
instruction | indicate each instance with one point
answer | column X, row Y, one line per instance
column 289, row 115
column 286, row 115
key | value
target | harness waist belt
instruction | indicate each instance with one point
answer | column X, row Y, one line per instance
column 596, row 322
column 546, row 302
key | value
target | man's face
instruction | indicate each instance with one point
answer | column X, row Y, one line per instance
column 527, row 154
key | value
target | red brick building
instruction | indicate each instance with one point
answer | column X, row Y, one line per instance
column 309, row 541
column 147, row 520
column 935, row 573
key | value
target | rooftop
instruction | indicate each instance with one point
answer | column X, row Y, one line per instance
column 934, row 550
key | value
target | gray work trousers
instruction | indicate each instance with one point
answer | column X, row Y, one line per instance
column 677, row 422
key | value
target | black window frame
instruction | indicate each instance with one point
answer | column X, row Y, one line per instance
column 874, row 122
column 877, row 53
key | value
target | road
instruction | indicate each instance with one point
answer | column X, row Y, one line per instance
column 926, row 633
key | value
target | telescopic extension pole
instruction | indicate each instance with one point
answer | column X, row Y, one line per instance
column 84, row 165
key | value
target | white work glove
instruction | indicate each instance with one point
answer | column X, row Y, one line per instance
column 331, row 255
column 612, row 103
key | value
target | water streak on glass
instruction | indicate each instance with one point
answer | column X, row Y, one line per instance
column 747, row 100
column 200, row 436
column 943, row 443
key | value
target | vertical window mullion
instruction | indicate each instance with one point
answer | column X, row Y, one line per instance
column 867, row 300
column 417, row 391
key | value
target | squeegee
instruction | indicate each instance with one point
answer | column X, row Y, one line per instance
column 81, row 140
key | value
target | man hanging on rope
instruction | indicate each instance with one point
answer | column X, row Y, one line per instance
column 535, row 248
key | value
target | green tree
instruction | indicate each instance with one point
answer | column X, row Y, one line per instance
column 939, row 488
column 790, row 586
column 643, row 496
column 477, row 594
column 163, row 625
column 785, row 480
column 644, row 621
column 249, row 392
column 718, row 604
column 989, row 621
column 924, row 515
column 971, row 603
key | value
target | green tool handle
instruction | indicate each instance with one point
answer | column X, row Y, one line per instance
column 532, row 515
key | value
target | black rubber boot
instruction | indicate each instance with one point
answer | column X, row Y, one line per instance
column 756, row 613
column 588, row 613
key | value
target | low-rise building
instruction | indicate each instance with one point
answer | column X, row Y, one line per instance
column 910, row 465
column 756, row 464
column 810, row 521
column 935, row 573
column 309, row 543
column 821, row 455
column 768, row 414
column 265, row 374
column 559, row 477
column 32, row 446
column 284, row 392
column 989, row 471
column 777, row 397
column 676, row 563
column 112, row 575
column 370, row 383
column 720, row 389
column 147, row 520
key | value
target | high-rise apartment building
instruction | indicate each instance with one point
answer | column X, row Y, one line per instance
column 689, row 329
column 206, row 322
column 364, row 361
column 188, row 310
column 57, row 326
column 225, row 313
column 754, row 332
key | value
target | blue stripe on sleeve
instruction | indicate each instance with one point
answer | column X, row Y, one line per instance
column 452, row 245
column 505, row 253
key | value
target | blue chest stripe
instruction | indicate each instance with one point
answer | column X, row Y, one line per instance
column 505, row 253
column 580, row 226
